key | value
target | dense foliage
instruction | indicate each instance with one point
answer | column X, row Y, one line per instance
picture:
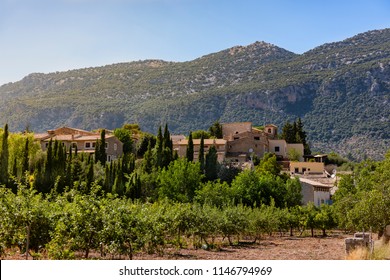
column 62, row 203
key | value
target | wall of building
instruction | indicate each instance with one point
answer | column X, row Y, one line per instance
column 311, row 167
column 321, row 197
column 278, row 147
column 230, row 129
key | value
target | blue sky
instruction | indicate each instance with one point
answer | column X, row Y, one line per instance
column 58, row 35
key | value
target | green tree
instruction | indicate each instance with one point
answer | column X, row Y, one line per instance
column 201, row 155
column 211, row 164
column 179, row 181
column 269, row 164
column 288, row 133
column 216, row 130
column 190, row 149
column 198, row 134
column 124, row 135
column 4, row 157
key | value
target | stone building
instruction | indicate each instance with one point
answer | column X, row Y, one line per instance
column 85, row 141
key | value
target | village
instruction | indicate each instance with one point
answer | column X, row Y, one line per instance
column 240, row 143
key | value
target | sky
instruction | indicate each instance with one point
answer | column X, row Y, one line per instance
column 43, row 36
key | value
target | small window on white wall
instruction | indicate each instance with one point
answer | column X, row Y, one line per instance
column 115, row 146
column 277, row 149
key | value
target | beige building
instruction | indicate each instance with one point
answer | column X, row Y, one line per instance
column 307, row 167
column 85, row 141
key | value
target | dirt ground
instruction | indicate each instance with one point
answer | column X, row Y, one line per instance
column 331, row 247
column 269, row 248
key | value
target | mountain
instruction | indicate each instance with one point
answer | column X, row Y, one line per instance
column 340, row 90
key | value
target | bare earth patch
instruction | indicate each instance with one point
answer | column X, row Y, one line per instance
column 268, row 248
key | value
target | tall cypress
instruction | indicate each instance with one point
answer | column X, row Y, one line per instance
column 4, row 176
column 103, row 154
column 159, row 148
column 201, row 154
column 190, row 148
column 211, row 164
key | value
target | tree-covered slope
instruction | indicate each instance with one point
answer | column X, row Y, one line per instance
column 341, row 91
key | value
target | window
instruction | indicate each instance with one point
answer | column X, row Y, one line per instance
column 277, row 149
column 257, row 138
column 115, row 146
column 296, row 170
column 74, row 145
column 87, row 145
column 106, row 145
column 236, row 138
column 269, row 130
column 93, row 144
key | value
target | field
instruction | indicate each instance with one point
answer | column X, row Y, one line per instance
column 269, row 248
column 274, row 247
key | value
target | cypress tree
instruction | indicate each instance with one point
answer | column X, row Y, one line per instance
column 102, row 148
column 4, row 176
column 159, row 148
column 201, row 155
column 190, row 148
column 211, row 164
column 288, row 133
column 147, row 162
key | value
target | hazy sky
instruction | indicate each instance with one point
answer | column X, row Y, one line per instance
column 57, row 35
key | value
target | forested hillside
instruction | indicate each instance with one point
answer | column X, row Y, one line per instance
column 340, row 90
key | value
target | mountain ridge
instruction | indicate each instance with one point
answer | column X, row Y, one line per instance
column 330, row 87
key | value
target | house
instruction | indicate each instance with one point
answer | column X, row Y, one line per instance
column 244, row 141
column 85, row 141
column 313, row 190
column 241, row 142
column 306, row 167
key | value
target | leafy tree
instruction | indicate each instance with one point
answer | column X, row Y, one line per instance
column 293, row 196
column 216, row 130
column 325, row 218
column 124, row 135
column 215, row 193
column 294, row 155
column 198, row 134
column 179, row 181
column 269, row 164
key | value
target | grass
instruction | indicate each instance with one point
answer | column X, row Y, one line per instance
column 381, row 252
